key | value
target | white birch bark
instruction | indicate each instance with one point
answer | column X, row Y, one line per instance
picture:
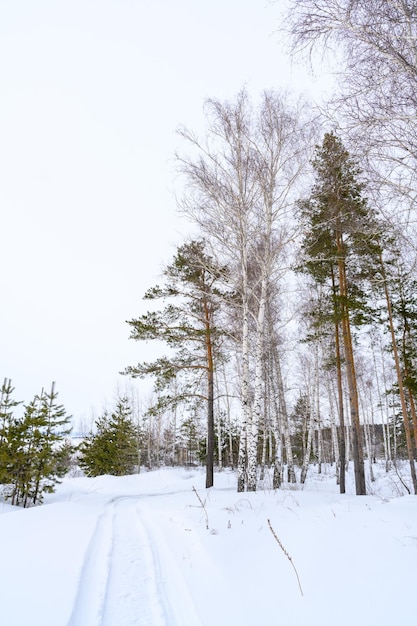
column 368, row 444
column 245, row 400
column 266, row 429
column 258, row 389
column 318, row 417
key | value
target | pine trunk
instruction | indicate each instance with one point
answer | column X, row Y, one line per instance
column 342, row 430
column 358, row 460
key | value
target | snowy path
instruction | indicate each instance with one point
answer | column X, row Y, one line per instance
column 129, row 576
column 141, row 550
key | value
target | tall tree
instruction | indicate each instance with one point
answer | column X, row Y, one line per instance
column 187, row 326
column 341, row 236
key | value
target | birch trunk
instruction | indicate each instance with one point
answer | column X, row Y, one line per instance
column 245, row 399
column 258, row 389
column 368, row 445
column 266, row 430
column 318, row 417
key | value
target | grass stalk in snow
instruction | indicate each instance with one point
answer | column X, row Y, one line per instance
column 203, row 506
column 286, row 554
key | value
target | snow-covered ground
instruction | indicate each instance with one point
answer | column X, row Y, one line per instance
column 141, row 550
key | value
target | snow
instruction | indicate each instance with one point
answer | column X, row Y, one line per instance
column 141, row 550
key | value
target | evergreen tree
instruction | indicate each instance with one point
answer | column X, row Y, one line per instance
column 340, row 246
column 405, row 313
column 187, row 326
column 7, row 404
column 113, row 447
column 300, row 419
column 26, row 449
column 34, row 449
column 191, row 439
column 50, row 466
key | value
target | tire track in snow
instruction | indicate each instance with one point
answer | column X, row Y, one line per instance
column 90, row 597
column 130, row 576
column 145, row 587
column 179, row 607
column 132, row 595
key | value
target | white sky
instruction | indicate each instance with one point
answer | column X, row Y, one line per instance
column 91, row 92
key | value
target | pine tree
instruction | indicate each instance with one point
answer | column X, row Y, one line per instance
column 300, row 419
column 187, row 326
column 36, row 445
column 113, row 447
column 340, row 246
column 49, row 466
column 7, row 405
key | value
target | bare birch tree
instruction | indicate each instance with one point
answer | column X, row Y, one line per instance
column 240, row 184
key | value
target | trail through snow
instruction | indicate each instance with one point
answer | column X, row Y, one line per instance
column 143, row 551
column 129, row 575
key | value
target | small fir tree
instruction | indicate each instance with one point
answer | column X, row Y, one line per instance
column 113, row 447
column 50, row 466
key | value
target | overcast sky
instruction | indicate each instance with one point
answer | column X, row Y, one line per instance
column 91, row 93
